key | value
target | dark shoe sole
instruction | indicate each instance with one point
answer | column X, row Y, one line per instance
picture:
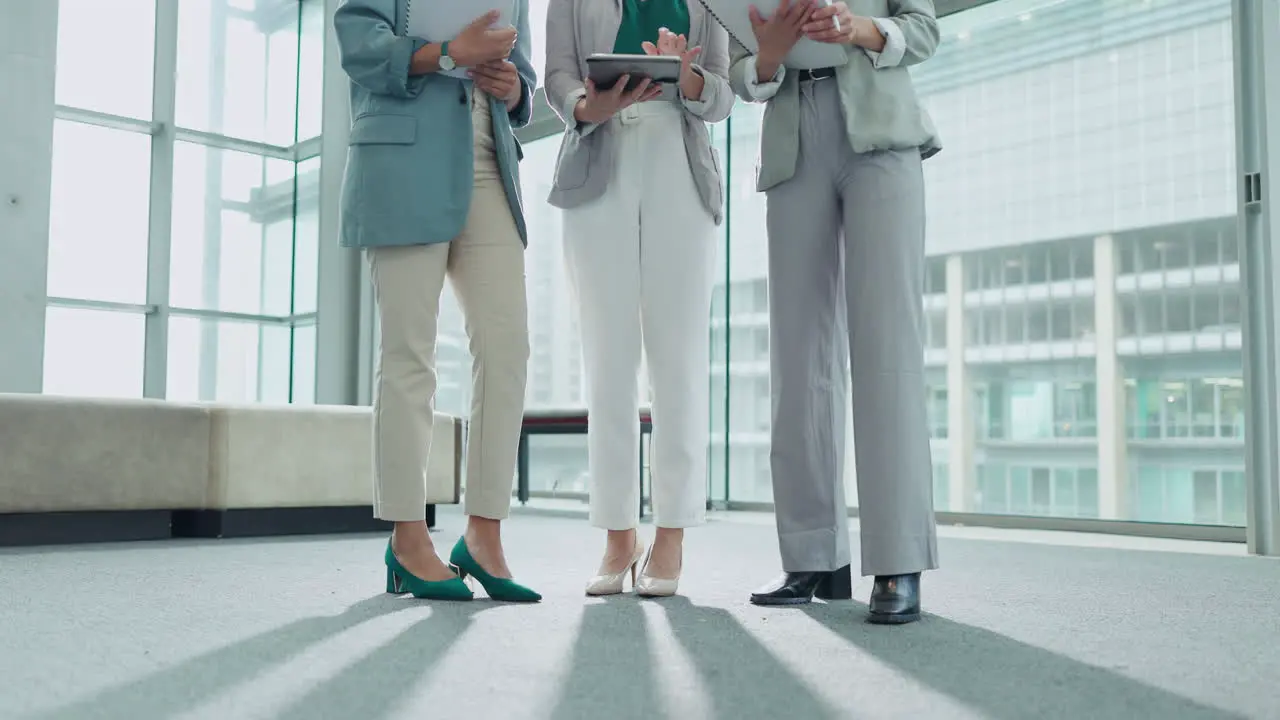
column 767, row 601
column 892, row 619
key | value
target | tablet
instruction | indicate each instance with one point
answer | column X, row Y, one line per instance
column 605, row 69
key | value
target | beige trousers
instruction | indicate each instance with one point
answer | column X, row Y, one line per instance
column 485, row 266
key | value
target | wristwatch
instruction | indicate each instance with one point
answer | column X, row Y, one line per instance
column 446, row 62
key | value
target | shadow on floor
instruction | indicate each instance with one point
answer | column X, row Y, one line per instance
column 741, row 676
column 1003, row 678
column 611, row 670
column 370, row 680
column 374, row 685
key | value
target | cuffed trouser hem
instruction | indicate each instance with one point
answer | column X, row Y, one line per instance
column 400, row 513
column 813, row 550
column 679, row 523
column 486, row 510
column 899, row 554
column 662, row 521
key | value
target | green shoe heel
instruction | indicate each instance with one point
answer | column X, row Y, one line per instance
column 401, row 581
column 497, row 588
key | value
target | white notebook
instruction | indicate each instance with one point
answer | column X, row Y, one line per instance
column 735, row 16
column 441, row 20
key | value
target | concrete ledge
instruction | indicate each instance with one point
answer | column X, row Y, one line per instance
column 95, row 470
column 76, row 454
column 311, row 457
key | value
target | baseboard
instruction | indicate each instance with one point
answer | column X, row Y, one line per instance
column 103, row 526
column 267, row 522
column 65, row 528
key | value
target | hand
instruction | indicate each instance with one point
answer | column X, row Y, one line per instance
column 778, row 33
column 832, row 24
column 598, row 106
column 478, row 44
column 674, row 45
column 500, row 79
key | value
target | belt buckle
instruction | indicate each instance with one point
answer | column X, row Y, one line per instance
column 810, row 74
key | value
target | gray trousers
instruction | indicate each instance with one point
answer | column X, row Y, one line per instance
column 846, row 262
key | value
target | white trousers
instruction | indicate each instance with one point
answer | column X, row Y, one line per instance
column 641, row 259
column 485, row 265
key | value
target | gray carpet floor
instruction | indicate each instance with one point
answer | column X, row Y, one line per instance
column 298, row 629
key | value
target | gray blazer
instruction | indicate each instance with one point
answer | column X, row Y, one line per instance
column 881, row 109
column 578, row 28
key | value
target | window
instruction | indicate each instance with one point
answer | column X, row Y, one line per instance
column 1060, row 327
column 941, row 488
column 93, row 352
column 1206, row 310
column 748, row 377
column 1059, row 262
column 935, row 279
column 105, row 53
column 555, row 345
column 232, row 231
column 228, row 361
column 98, row 213
column 237, row 71
column 937, row 329
column 993, row 331
column 311, row 69
column 1187, row 494
column 303, row 381
column 538, row 42
column 236, row 242
column 1015, row 325
column 1017, row 489
column 306, row 249
column 1037, row 265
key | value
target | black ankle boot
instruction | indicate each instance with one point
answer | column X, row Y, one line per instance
column 799, row 588
column 895, row 599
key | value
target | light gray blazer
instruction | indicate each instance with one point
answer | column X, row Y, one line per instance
column 881, row 110
column 578, row 28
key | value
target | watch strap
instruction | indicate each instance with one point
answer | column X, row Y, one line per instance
column 444, row 49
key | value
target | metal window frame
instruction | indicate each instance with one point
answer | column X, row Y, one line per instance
column 1256, row 40
column 165, row 135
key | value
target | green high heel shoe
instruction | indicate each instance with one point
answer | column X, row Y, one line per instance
column 498, row 588
column 401, row 581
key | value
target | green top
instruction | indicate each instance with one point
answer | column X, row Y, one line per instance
column 641, row 20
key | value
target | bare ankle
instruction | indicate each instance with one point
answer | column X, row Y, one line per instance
column 410, row 535
column 620, row 541
column 668, row 537
column 483, row 530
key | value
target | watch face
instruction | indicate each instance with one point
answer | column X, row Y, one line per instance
column 446, row 62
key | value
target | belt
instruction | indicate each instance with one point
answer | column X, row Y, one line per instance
column 816, row 74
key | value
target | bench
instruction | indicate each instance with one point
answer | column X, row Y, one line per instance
column 297, row 469
column 566, row 422
column 83, row 469
column 86, row 470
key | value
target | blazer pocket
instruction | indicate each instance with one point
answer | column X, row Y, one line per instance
column 384, row 130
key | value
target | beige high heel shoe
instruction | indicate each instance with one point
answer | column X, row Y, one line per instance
column 650, row 586
column 611, row 584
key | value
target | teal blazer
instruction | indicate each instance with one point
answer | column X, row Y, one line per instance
column 410, row 168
